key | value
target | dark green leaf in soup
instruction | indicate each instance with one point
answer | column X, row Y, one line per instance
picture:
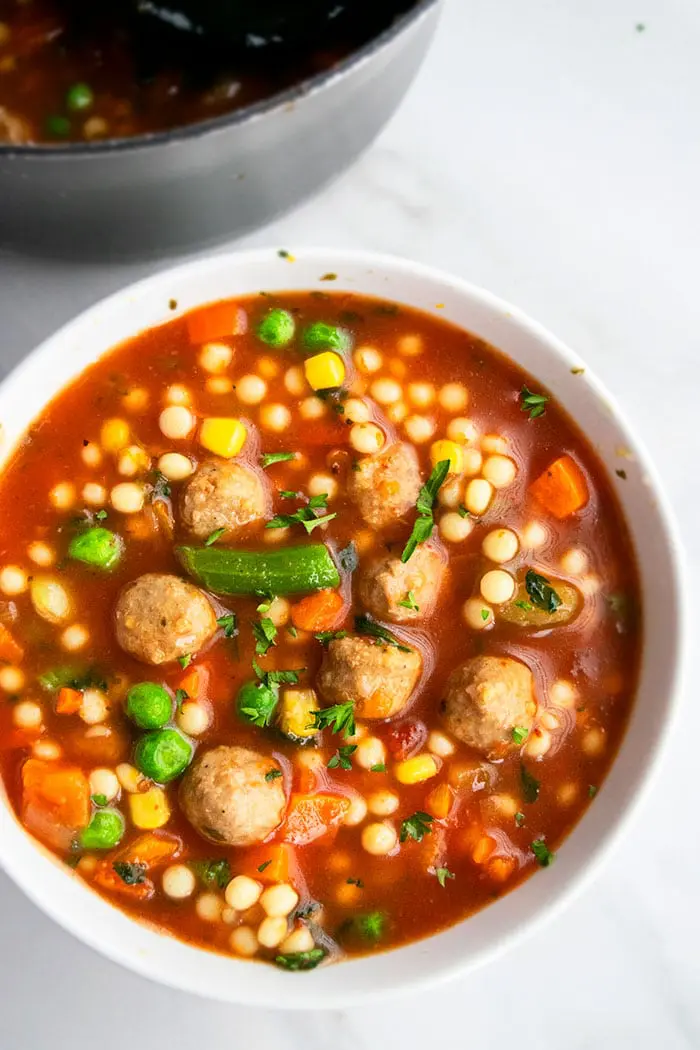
column 541, row 592
column 541, row 602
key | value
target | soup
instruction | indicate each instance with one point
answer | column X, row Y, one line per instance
column 75, row 71
column 319, row 626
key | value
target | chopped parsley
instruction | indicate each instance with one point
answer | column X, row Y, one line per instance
column 265, row 864
column 180, row 696
column 541, row 592
column 130, row 874
column 592, row 791
column 273, row 774
column 185, row 661
column 423, row 525
column 416, row 826
column 529, row 784
column 99, row 800
column 378, row 767
column 349, row 558
column 339, row 719
column 304, row 516
column 265, row 633
column 288, row 494
column 534, row 404
column 366, row 625
column 409, row 602
column 543, row 855
column 214, row 536
column 356, row 882
column 463, row 512
column 101, row 515
column 519, row 734
column 342, row 758
column 301, row 960
column 212, row 872
column 443, row 874
column 371, row 926
column 268, row 458
column 271, row 679
column 229, row 624
column 526, row 606
column 485, row 613
column 519, row 819
column 326, row 637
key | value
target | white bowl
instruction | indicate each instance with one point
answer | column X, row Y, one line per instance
column 463, row 947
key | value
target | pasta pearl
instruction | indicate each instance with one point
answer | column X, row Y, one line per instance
column 370, row 752
column 174, row 466
column 366, row 438
column 500, row 545
column 27, row 715
column 397, row 412
column 472, row 461
column 477, row 614
column 275, row 417
column 379, row 839
column 75, row 637
column 11, row 679
column 421, row 394
column 299, row 940
column 95, row 495
column 104, row 782
column 63, row 495
column 367, row 359
column 279, row 611
column 562, row 693
column 593, row 742
column 176, row 422
column 13, row 580
column 242, row 893
column 494, row 444
column 453, row 397
column 500, row 471
column 114, row 434
column 357, row 411
column 567, row 794
column 177, row 394
column 419, row 429
column 454, row 528
column 398, row 368
column 440, row 745
column 209, row 907
column 91, row 455
column 382, row 803
column 251, row 389
column 178, row 882
column 450, row 495
column 132, row 461
column 219, row 385
column 136, row 400
column 47, row 749
column 533, row 536
column 279, row 900
column 538, row 743
column 295, row 381
column 194, row 718
column 410, row 345
column 272, row 931
column 357, row 811
column 574, row 562
column 127, row 497
column 497, row 586
column 215, row 357
column 477, row 495
column 323, row 484
column 243, row 941
column 385, row 391
column 462, row 430
column 312, row 408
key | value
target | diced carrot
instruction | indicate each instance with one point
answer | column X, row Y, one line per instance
column 9, row 649
column 106, row 877
column 275, row 861
column 195, row 682
column 68, row 701
column 318, row 612
column 379, row 705
column 305, row 779
column 216, row 321
column 561, row 488
column 483, row 849
column 501, row 868
column 439, row 801
column 311, row 816
column 151, row 848
column 55, row 800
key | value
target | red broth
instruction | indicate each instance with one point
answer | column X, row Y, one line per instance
column 392, row 861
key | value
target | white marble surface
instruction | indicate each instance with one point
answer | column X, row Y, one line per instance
column 550, row 152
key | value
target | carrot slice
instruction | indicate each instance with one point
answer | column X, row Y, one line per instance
column 561, row 488
column 55, row 800
column 274, row 860
column 318, row 612
column 150, row 849
column 68, row 701
column 106, row 877
column 311, row 816
column 215, row 322
column 439, row 801
column 9, row 649
column 195, row 682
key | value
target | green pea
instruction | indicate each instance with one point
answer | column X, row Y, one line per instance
column 97, row 547
column 256, row 703
column 277, row 329
column 79, row 97
column 321, row 336
column 104, row 831
column 163, row 755
column 149, row 705
column 58, row 127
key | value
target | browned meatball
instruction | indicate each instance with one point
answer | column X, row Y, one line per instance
column 486, row 698
column 226, row 798
column 222, row 495
column 385, row 487
column 387, row 582
column 378, row 678
column 160, row 617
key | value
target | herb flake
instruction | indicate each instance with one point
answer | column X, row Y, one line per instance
column 366, row 625
column 532, row 403
column 416, row 826
column 541, row 592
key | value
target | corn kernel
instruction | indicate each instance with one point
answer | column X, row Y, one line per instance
column 223, row 437
column 416, row 769
column 149, row 809
column 449, row 450
column 324, row 370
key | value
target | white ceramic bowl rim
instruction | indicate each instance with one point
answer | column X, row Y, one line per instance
column 63, row 895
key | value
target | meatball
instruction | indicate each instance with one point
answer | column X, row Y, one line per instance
column 387, row 582
column 378, row 678
column 226, row 798
column 159, row 618
column 385, row 487
column 222, row 495
column 486, row 698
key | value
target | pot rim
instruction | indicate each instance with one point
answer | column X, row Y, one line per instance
column 280, row 100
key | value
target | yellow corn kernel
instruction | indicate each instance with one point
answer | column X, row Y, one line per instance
column 149, row 809
column 114, row 435
column 324, row 370
column 450, row 450
column 414, row 770
column 439, row 801
column 223, row 437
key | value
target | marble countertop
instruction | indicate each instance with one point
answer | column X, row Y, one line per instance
column 549, row 151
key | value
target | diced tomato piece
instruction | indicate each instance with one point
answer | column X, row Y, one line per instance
column 406, row 738
column 68, row 701
column 216, row 321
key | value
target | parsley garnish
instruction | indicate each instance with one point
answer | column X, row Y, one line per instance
column 409, row 602
column 378, row 767
column 349, row 558
column 273, row 774
column 265, row 864
column 592, row 791
column 532, row 403
column 356, row 882
column 366, row 625
column 214, row 536
column 131, row 874
column 423, row 525
column 519, row 819
column 543, row 855
column 268, row 458
column 463, row 512
column 326, row 637
column 416, row 826
column 185, row 661
column 485, row 613
column 519, row 734
column 304, row 516
column 229, row 623
column 301, row 960
column 529, row 784
column 288, row 494
column 341, row 759
column 443, row 874
column 99, row 800
column 101, row 515
column 264, row 632
column 370, row 926
column 339, row 719
column 541, row 591
column 527, row 606
column 213, row 872
column 180, row 696
column 271, row 679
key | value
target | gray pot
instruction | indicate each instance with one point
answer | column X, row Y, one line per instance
column 161, row 193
